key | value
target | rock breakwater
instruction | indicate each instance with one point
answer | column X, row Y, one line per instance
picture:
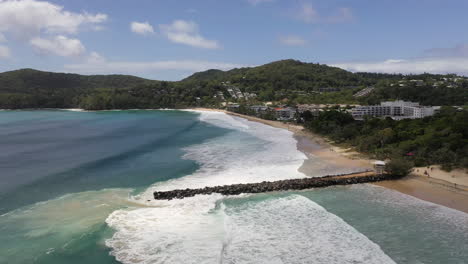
column 283, row 185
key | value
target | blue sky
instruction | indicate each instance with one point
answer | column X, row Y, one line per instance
column 170, row 39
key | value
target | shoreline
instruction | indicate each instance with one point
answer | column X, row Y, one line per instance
column 435, row 189
column 448, row 189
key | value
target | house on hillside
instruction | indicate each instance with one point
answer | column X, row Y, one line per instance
column 284, row 114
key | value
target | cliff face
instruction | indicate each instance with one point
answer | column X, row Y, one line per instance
column 284, row 185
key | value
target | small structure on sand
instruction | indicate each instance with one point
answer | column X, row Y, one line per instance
column 379, row 166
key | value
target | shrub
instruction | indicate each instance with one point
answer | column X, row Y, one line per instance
column 399, row 167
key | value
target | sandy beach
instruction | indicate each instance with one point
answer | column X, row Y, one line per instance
column 449, row 189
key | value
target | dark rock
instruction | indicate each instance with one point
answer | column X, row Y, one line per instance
column 265, row 186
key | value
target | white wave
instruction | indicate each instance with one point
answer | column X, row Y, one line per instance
column 278, row 230
column 195, row 230
column 252, row 152
column 73, row 109
column 181, row 231
column 294, row 230
column 221, row 119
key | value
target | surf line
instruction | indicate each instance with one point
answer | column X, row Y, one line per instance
column 283, row 185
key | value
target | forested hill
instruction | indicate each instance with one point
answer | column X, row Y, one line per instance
column 285, row 74
column 33, row 88
column 286, row 81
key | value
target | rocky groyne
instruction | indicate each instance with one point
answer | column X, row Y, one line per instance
column 284, row 185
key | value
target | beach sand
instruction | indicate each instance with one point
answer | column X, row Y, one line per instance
column 449, row 189
column 430, row 190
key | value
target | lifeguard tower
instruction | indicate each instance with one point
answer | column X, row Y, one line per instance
column 379, row 167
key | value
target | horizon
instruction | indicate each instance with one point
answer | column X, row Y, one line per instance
column 170, row 41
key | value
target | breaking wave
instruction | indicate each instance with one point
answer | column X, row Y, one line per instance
column 214, row 229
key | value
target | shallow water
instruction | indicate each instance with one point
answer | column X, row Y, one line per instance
column 75, row 188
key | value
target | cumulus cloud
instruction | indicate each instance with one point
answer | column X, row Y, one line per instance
column 142, row 28
column 60, row 45
column 96, row 64
column 187, row 33
column 440, row 65
column 30, row 18
column 256, row 2
column 4, row 52
column 292, row 40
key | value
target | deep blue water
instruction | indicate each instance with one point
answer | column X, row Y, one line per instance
column 45, row 154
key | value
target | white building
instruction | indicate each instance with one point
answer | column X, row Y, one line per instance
column 395, row 109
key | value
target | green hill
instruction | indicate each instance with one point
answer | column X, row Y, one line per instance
column 28, row 88
column 288, row 81
column 285, row 74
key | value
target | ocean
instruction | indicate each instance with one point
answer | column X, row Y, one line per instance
column 76, row 187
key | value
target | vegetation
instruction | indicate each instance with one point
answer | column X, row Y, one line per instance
column 440, row 139
column 288, row 81
column 399, row 167
column 426, row 94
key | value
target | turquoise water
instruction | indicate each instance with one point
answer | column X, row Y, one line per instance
column 74, row 188
column 47, row 154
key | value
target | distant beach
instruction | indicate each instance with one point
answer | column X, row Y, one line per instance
column 449, row 189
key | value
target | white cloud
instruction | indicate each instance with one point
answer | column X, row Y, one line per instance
column 29, row 18
column 419, row 65
column 96, row 64
column 343, row 15
column 4, row 52
column 95, row 58
column 292, row 40
column 60, row 45
column 307, row 13
column 2, row 38
column 142, row 28
column 187, row 32
column 256, row 2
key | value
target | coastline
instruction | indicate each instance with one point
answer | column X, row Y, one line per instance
column 438, row 189
column 449, row 189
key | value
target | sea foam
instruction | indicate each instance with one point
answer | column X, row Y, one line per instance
column 293, row 229
column 203, row 229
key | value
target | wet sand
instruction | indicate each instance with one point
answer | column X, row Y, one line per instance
column 429, row 190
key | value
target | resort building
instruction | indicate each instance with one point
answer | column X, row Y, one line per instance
column 395, row 109
column 286, row 113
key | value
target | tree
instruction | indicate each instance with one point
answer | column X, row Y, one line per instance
column 399, row 167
